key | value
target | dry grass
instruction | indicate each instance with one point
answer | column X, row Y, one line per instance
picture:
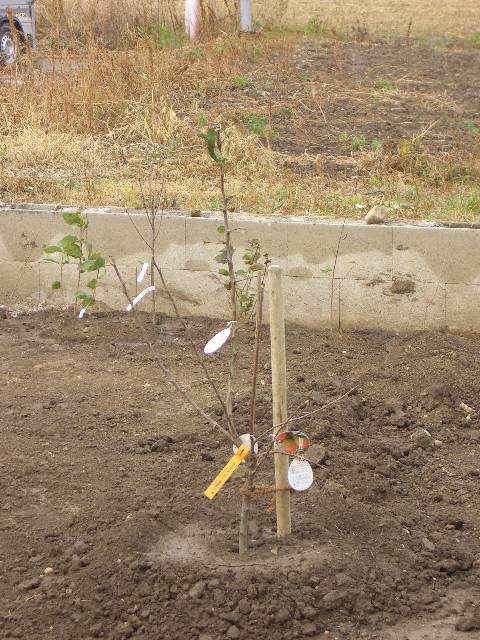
column 392, row 17
column 88, row 133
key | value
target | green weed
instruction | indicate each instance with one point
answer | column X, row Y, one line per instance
column 240, row 82
column 473, row 39
column 385, row 85
column 258, row 124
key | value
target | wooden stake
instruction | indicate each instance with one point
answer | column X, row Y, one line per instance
column 279, row 397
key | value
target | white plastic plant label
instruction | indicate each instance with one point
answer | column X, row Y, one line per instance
column 143, row 271
column 245, row 439
column 300, row 475
column 82, row 313
column 137, row 299
column 218, row 340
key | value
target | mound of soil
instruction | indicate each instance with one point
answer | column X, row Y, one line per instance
column 105, row 532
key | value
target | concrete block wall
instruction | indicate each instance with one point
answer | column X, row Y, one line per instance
column 339, row 274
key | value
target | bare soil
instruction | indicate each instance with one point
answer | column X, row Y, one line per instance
column 105, row 531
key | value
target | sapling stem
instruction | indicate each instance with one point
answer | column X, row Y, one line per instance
column 166, row 371
column 232, row 281
column 244, row 530
column 199, row 359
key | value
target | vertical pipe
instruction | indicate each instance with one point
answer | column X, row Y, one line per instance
column 192, row 18
column 279, row 397
column 246, row 16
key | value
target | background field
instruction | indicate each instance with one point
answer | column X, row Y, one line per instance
column 428, row 17
column 328, row 109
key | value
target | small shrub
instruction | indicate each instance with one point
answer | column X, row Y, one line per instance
column 315, row 27
column 258, row 124
column 77, row 249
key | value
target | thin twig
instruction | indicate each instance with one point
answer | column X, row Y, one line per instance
column 199, row 359
column 168, row 374
column 258, row 328
column 277, row 428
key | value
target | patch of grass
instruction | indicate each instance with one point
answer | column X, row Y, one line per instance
column 258, row 124
column 385, row 85
column 316, row 27
column 472, row 128
column 241, row 81
column 359, row 142
column 473, row 39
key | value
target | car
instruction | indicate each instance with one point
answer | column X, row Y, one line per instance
column 17, row 28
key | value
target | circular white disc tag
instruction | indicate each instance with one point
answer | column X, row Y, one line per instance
column 300, row 475
column 217, row 341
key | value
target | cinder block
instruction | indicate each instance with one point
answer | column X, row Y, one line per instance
column 204, row 242
column 23, row 234
column 311, row 302
column 196, row 294
column 364, row 306
column 119, row 236
column 463, row 307
column 49, row 273
column 19, row 282
column 271, row 233
column 311, row 248
column 365, row 252
column 434, row 254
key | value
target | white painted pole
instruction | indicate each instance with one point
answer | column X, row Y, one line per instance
column 192, row 18
column 279, row 397
column 246, row 16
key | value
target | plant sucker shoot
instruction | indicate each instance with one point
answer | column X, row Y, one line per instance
column 77, row 249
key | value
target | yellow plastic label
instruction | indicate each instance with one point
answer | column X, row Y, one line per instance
column 212, row 490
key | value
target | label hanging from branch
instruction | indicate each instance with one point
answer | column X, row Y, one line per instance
column 291, row 441
column 143, row 271
column 300, row 475
column 231, row 466
column 218, row 340
column 137, row 299
column 246, row 440
column 285, row 442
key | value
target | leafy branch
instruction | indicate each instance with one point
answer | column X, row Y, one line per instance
column 77, row 249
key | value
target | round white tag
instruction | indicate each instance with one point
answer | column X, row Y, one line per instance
column 300, row 474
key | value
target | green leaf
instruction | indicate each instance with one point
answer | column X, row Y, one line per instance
column 57, row 284
column 71, row 246
column 92, row 284
column 94, row 263
column 87, row 299
column 256, row 267
column 221, row 229
column 212, row 147
column 53, row 249
column 51, row 260
column 222, row 257
column 223, row 272
column 74, row 218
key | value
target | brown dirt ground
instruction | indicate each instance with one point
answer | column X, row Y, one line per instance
column 102, row 472
column 320, row 89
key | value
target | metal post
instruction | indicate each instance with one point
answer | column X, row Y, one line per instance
column 246, row 16
column 192, row 18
